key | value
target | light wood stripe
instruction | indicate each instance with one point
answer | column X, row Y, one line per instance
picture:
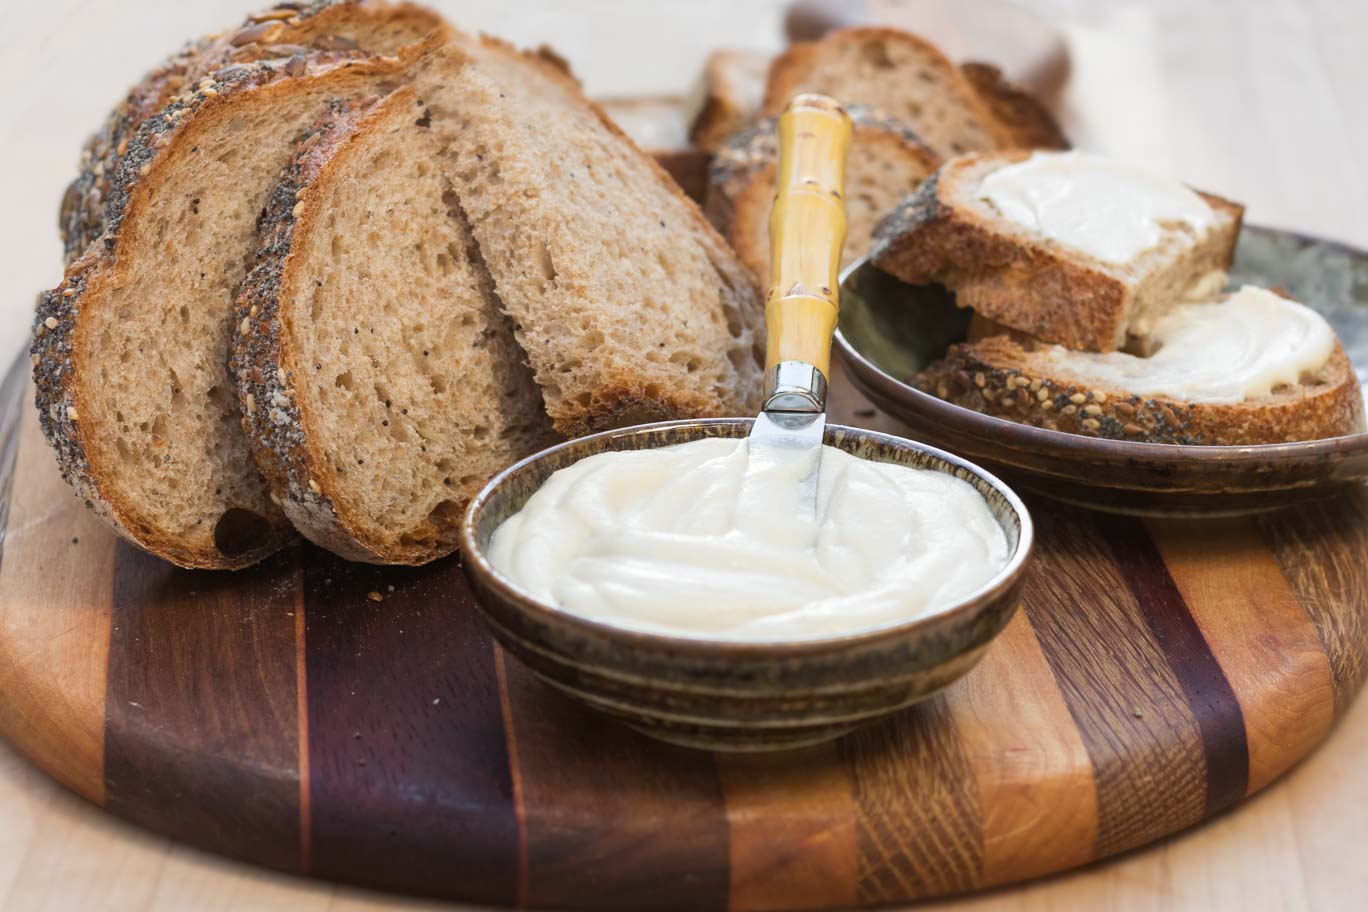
column 1321, row 548
column 1260, row 634
column 1034, row 777
column 53, row 676
column 1129, row 707
column 792, row 829
column 919, row 825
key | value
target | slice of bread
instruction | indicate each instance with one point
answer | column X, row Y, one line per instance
column 908, row 78
column 886, row 162
column 943, row 233
column 1013, row 378
column 629, row 305
column 327, row 29
column 380, row 384
column 1029, row 123
column 131, row 349
column 657, row 125
column 727, row 96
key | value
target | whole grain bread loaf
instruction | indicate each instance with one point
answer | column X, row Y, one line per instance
column 1012, row 378
column 943, row 233
column 909, row 79
column 130, row 351
column 629, row 305
column 323, row 30
column 379, row 381
column 886, row 162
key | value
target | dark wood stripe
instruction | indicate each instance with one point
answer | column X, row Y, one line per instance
column 614, row 820
column 1209, row 694
column 407, row 757
column 201, row 708
column 1323, row 551
column 1140, row 733
column 919, row 828
column 302, row 714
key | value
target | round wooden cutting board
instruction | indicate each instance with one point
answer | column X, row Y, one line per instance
column 357, row 723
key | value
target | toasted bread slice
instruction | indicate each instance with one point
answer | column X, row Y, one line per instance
column 1022, row 380
column 656, row 123
column 380, row 383
column 943, row 233
column 727, row 97
column 327, row 29
column 629, row 305
column 131, row 349
column 886, row 162
column 909, row 79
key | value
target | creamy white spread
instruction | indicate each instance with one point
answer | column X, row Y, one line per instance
column 1241, row 347
column 683, row 540
column 1104, row 208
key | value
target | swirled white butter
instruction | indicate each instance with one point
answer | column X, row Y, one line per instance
column 684, row 541
column 1241, row 347
column 1104, row 208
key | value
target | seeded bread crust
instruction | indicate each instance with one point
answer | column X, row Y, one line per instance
column 1029, row 284
column 1000, row 376
column 59, row 368
column 56, row 367
column 629, row 396
column 742, row 174
column 325, row 30
column 1027, row 122
column 271, row 416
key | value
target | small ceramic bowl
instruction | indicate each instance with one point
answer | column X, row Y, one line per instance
column 889, row 331
column 741, row 696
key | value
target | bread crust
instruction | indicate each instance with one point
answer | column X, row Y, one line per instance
column 788, row 73
column 1028, row 123
column 742, row 174
column 58, row 364
column 1030, row 285
column 303, row 29
column 997, row 376
column 262, row 361
column 721, row 115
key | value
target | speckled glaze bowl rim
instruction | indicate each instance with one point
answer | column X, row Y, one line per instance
column 998, row 586
column 1077, row 445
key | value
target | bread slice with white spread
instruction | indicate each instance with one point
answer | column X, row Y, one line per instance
column 322, row 30
column 130, row 351
column 909, row 79
column 1249, row 368
column 1021, row 238
column 380, row 383
column 887, row 161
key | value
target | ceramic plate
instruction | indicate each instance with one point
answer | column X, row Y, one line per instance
column 889, row 331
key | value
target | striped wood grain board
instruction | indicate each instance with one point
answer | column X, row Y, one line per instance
column 1159, row 672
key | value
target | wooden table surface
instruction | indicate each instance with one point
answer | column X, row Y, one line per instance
column 1256, row 100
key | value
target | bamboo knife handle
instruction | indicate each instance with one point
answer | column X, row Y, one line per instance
column 807, row 233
